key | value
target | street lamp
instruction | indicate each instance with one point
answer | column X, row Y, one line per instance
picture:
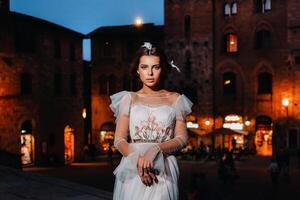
column 207, row 122
column 138, row 21
column 285, row 103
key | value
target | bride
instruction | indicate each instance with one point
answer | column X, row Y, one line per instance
column 150, row 128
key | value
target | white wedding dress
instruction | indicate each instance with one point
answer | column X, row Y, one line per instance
column 149, row 120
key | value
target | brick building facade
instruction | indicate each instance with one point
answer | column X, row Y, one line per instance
column 244, row 59
column 40, row 89
column 112, row 51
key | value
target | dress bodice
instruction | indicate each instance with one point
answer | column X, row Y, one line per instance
column 151, row 118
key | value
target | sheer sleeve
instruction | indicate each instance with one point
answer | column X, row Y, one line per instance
column 120, row 105
column 183, row 107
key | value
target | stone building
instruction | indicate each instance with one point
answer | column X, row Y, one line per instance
column 241, row 60
column 40, row 89
column 112, row 51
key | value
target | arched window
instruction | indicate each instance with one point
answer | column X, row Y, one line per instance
column 229, row 83
column 263, row 39
column 112, row 84
column 57, row 83
column 264, row 83
column 188, row 63
column 227, row 10
column 73, row 88
column 103, row 86
column 231, row 43
column 262, row 6
column 234, row 8
column 57, row 48
column 267, row 5
column 72, row 52
column 187, row 26
column 26, row 83
column 258, row 6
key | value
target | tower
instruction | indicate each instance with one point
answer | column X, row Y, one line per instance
column 4, row 6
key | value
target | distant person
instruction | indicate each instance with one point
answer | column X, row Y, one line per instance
column 273, row 170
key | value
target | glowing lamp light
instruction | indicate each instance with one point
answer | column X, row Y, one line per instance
column 227, row 82
column 232, row 42
column 207, row 122
column 138, row 21
column 285, row 102
column 247, row 123
column 23, row 131
column 84, row 113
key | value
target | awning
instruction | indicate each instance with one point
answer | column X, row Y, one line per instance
column 227, row 131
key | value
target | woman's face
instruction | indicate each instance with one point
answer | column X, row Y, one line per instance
column 149, row 70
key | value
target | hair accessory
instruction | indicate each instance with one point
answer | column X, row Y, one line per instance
column 147, row 45
column 174, row 66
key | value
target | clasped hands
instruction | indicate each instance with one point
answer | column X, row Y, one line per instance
column 145, row 166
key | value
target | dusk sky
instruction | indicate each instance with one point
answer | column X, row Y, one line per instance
column 85, row 16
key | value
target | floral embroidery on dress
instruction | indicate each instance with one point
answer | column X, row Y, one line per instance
column 151, row 130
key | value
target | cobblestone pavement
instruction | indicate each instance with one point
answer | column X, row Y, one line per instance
column 20, row 185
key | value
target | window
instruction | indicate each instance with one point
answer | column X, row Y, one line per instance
column 57, row 83
column 108, row 49
column 73, row 88
column 26, row 84
column 262, row 6
column 103, row 85
column 234, row 8
column 112, row 84
column 230, row 9
column 188, row 64
column 229, row 83
column 263, row 39
column 230, row 43
column 267, row 5
column 72, row 52
column 57, row 48
column 187, row 26
column 227, row 9
column 264, row 83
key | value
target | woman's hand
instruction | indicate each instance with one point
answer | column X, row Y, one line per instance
column 146, row 171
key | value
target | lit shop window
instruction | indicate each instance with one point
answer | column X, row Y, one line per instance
column 69, row 144
column 231, row 43
column 27, row 144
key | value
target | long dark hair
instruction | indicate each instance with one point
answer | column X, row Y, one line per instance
column 154, row 51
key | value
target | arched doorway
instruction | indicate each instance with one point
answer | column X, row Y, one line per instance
column 106, row 137
column 263, row 136
column 69, row 144
column 27, row 143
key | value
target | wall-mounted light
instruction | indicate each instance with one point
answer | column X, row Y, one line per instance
column 207, row 122
column 84, row 113
column 285, row 102
column 247, row 123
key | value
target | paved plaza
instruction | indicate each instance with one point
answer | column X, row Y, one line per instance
column 94, row 180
